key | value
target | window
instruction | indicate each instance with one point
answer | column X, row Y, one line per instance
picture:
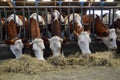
column 68, row 0
column 30, row 0
column 83, row 0
column 46, row 0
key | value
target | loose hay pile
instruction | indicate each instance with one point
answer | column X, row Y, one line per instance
column 26, row 65
column 31, row 65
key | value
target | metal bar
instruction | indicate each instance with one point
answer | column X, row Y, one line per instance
column 113, row 15
column 46, row 14
column 60, row 3
column 24, row 30
column 5, row 13
column 96, row 7
column 93, row 24
column 1, row 35
column 29, row 27
column 81, row 4
column 109, row 18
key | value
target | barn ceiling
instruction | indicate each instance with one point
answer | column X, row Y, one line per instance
column 54, row 3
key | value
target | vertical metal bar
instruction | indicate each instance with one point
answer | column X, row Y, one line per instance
column 73, row 9
column 6, row 30
column 93, row 24
column 81, row 4
column 36, row 5
column 13, row 2
column 68, row 32
column 46, row 14
column 1, row 35
column 29, row 31
column 24, row 35
column 113, row 15
column 109, row 18
column 60, row 3
column 102, row 4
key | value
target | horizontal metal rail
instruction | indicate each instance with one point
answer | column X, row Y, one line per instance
column 95, row 7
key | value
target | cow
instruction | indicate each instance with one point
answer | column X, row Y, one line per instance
column 36, row 21
column 78, row 31
column 14, row 23
column 114, row 23
column 55, row 39
column 101, row 30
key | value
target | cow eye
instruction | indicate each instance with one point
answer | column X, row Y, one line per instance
column 111, row 39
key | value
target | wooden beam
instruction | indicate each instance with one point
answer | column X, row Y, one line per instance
column 10, row 4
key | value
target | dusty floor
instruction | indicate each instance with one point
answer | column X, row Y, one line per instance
column 82, row 73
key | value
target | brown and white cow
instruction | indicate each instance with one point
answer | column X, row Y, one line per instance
column 108, row 35
column 37, row 43
column 114, row 21
column 16, row 44
column 55, row 41
column 78, row 30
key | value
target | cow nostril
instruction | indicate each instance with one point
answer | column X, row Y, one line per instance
column 115, row 47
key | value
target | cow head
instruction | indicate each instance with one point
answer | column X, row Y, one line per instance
column 110, row 40
column 39, row 18
column 55, row 45
column 38, row 48
column 83, row 42
column 16, row 47
column 56, row 16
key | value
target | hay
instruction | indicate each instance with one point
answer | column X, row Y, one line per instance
column 97, row 59
column 30, row 65
column 26, row 64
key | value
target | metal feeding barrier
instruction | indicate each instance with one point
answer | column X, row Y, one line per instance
column 64, row 10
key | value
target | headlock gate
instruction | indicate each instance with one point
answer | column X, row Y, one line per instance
column 64, row 10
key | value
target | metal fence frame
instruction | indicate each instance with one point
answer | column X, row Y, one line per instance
column 27, row 10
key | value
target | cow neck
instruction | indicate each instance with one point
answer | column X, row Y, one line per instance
column 12, row 30
column 78, row 29
column 55, row 28
column 101, row 28
column 35, row 30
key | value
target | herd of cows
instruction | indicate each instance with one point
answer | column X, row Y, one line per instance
column 75, row 26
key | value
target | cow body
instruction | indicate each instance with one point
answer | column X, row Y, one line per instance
column 78, row 31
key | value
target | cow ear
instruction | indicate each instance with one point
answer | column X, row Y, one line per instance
column 104, row 34
column 104, row 15
column 27, row 45
column 49, row 40
column 46, row 40
column 61, row 40
column 9, row 42
column 76, row 34
column 24, row 40
column 65, row 40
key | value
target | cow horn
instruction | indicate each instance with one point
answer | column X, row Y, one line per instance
column 9, row 42
column 75, row 32
column 105, row 34
column 12, row 41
